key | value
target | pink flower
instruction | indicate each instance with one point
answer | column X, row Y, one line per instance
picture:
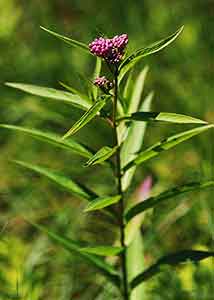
column 103, row 83
column 112, row 50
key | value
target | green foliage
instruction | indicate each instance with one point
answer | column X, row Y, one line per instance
column 126, row 154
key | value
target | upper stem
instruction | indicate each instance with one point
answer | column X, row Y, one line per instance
column 120, row 192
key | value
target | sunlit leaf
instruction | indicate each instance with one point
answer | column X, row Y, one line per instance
column 163, row 116
column 166, row 144
column 169, row 194
column 96, row 74
column 133, row 143
column 137, row 55
column 87, row 117
column 52, row 139
column 68, row 40
column 103, row 154
column 60, row 179
column 137, row 91
column 75, row 247
column 51, row 93
column 171, row 259
column 103, row 250
column 75, row 91
column 102, row 202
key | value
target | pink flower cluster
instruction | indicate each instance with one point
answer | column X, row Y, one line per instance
column 103, row 83
column 111, row 50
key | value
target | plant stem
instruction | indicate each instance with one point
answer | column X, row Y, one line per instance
column 120, row 192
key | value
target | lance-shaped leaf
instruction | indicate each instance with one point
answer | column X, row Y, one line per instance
column 103, row 250
column 102, row 202
column 68, row 40
column 171, row 259
column 75, row 247
column 75, row 91
column 166, row 144
column 169, row 194
column 51, row 93
column 137, row 92
column 98, row 67
column 103, row 154
column 87, row 117
column 162, row 116
column 137, row 55
column 52, row 139
column 61, row 180
column 133, row 143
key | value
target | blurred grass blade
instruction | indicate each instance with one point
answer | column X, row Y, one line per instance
column 52, row 139
column 171, row 259
column 103, row 250
column 75, row 247
column 136, row 56
column 94, row 88
column 60, row 179
column 166, row 144
column 137, row 91
column 133, row 143
column 87, row 117
column 174, row 192
column 163, row 116
column 102, row 202
column 51, row 93
column 103, row 154
column 68, row 40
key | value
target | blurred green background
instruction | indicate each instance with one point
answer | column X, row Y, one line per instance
column 182, row 79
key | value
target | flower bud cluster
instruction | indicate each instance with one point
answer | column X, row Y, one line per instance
column 112, row 50
column 103, row 83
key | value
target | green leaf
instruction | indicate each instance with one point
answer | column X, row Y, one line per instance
column 103, row 154
column 67, row 40
column 137, row 91
column 87, row 117
column 46, row 92
column 171, row 259
column 75, row 92
column 133, row 143
column 96, row 74
column 102, row 202
column 52, row 139
column 166, row 144
column 135, row 264
column 103, row 250
column 163, row 116
column 60, row 179
column 137, row 55
column 169, row 194
column 75, row 247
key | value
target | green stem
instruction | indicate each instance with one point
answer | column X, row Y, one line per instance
column 120, row 192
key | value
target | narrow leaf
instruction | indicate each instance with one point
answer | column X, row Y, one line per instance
column 96, row 74
column 137, row 91
column 52, row 139
column 171, row 259
column 103, row 250
column 87, row 117
column 75, row 247
column 102, row 202
column 103, row 154
column 169, row 194
column 163, row 116
column 166, row 144
column 74, row 91
column 46, row 92
column 68, row 40
column 133, row 143
column 60, row 179
column 137, row 55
